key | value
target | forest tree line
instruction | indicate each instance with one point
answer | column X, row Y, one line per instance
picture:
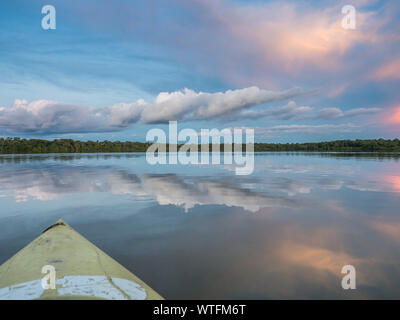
column 28, row 146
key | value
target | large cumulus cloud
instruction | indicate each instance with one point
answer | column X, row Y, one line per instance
column 51, row 116
column 190, row 105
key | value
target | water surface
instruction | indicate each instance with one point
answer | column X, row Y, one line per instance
column 201, row 232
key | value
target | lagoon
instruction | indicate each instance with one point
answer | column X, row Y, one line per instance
column 202, row 232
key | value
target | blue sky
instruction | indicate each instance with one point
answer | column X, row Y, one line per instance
column 114, row 70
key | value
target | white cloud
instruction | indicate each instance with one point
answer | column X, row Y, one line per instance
column 190, row 105
column 50, row 116
column 56, row 117
column 287, row 112
column 123, row 114
column 308, row 129
column 336, row 113
column 292, row 111
column 45, row 116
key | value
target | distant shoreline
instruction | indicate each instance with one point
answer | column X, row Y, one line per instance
column 38, row 146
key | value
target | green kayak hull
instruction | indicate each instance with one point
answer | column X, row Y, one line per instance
column 62, row 264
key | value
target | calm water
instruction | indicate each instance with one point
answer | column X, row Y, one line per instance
column 201, row 232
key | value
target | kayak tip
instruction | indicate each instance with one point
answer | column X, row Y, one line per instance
column 60, row 222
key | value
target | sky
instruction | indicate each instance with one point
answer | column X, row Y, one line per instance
column 113, row 70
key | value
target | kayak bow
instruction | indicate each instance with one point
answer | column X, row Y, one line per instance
column 82, row 271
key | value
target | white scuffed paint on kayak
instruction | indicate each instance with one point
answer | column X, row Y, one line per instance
column 90, row 286
column 132, row 289
column 23, row 291
column 99, row 286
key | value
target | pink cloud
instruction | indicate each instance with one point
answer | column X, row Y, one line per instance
column 392, row 116
column 388, row 71
column 272, row 44
column 283, row 36
column 286, row 41
column 389, row 120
